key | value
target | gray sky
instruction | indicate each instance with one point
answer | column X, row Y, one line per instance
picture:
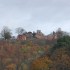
column 46, row 15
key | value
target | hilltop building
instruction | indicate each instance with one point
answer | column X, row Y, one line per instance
column 21, row 37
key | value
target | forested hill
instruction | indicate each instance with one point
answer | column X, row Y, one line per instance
column 35, row 51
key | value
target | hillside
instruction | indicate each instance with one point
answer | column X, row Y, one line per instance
column 28, row 52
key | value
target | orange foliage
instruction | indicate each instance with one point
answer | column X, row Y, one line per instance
column 41, row 64
column 11, row 67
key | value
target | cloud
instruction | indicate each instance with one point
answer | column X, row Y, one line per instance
column 46, row 15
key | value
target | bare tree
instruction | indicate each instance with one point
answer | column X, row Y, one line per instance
column 20, row 31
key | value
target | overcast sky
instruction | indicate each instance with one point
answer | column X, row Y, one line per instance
column 45, row 15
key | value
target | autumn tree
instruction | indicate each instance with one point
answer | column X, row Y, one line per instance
column 41, row 64
column 61, row 54
column 6, row 33
column 61, row 59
